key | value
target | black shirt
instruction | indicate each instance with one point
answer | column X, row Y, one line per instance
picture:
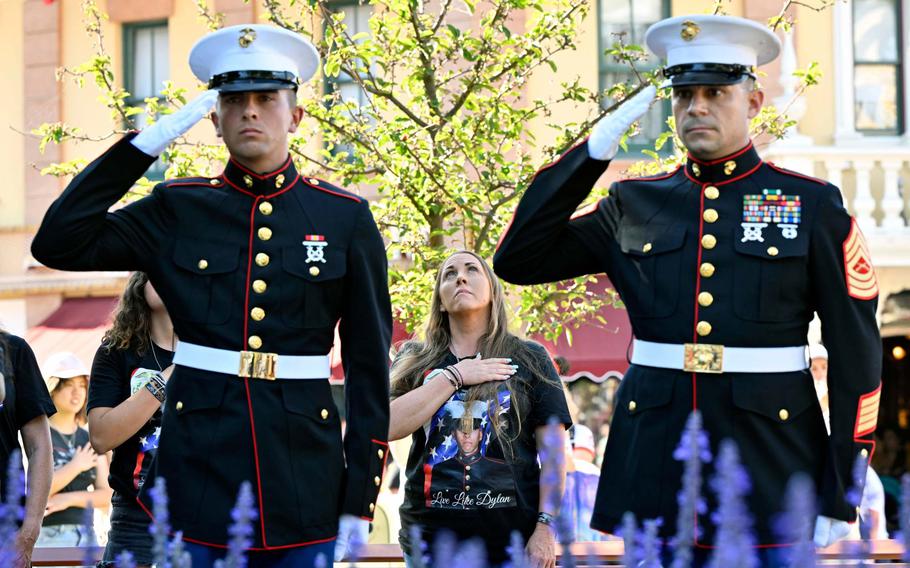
column 465, row 482
column 113, row 381
column 26, row 394
column 64, row 447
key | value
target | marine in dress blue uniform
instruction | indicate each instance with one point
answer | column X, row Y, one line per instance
column 721, row 264
column 256, row 268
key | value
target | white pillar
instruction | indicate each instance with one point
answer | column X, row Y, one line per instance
column 892, row 203
column 863, row 203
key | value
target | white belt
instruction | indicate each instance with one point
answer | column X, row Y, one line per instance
column 708, row 358
column 253, row 364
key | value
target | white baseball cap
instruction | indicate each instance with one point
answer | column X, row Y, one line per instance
column 63, row 365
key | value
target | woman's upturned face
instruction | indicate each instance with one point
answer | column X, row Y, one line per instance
column 464, row 286
column 70, row 395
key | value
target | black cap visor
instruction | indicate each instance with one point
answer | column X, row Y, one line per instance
column 689, row 74
column 238, row 81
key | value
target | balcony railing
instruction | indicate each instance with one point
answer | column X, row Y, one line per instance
column 873, row 180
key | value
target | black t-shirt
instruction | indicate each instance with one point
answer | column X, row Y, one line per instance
column 459, row 477
column 26, row 395
column 64, row 447
column 113, row 381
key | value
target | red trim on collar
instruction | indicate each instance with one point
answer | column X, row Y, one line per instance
column 353, row 198
column 261, row 176
column 655, row 177
column 737, row 154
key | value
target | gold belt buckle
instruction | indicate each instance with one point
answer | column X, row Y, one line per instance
column 703, row 358
column 256, row 365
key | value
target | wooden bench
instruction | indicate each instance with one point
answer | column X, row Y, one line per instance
column 586, row 554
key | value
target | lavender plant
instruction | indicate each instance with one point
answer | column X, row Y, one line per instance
column 241, row 531
column 650, row 544
column 125, row 560
column 734, row 539
column 552, row 452
column 905, row 515
column 517, row 555
column 418, row 547
column 161, row 527
column 694, row 449
column 88, row 524
column 469, row 553
column 854, row 497
column 629, row 532
column 11, row 510
column 796, row 524
column 180, row 558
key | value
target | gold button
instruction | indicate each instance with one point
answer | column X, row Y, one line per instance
column 376, row 481
column 324, row 414
column 772, row 251
column 705, row 299
column 864, row 452
column 213, row 182
column 262, row 259
column 380, row 453
column 254, row 341
column 706, row 270
column 179, row 405
column 257, row 314
column 264, row 233
column 259, row 286
column 314, row 271
column 646, row 248
column 265, row 208
column 372, row 507
column 279, row 180
column 632, row 406
column 729, row 166
column 709, row 241
column 712, row 192
column 696, row 170
column 248, row 181
column 467, row 487
column 783, row 413
column 703, row 328
column 202, row 264
column 710, row 215
column 314, row 181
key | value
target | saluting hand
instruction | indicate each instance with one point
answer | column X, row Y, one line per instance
column 155, row 138
column 475, row 371
column 605, row 137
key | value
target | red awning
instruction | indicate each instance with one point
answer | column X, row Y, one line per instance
column 598, row 351
column 76, row 326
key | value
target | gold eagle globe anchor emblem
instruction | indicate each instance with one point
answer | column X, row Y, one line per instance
column 689, row 30
column 247, row 36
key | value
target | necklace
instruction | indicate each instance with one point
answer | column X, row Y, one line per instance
column 152, row 347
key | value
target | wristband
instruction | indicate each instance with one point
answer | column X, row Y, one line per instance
column 156, row 385
column 451, row 378
column 546, row 519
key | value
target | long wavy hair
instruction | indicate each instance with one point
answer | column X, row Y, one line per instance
column 417, row 357
column 132, row 318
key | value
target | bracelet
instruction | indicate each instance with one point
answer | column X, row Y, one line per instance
column 546, row 519
column 454, row 370
column 451, row 378
column 156, row 385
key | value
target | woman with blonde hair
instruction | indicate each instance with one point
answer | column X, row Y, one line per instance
column 476, row 399
column 129, row 373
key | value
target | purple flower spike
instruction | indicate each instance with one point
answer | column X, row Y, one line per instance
column 734, row 540
column 11, row 511
column 444, row 547
column 418, row 547
column 241, row 530
column 905, row 515
column 160, row 527
column 650, row 545
column 125, row 560
column 180, row 558
column 693, row 449
column 321, row 561
column 797, row 523
column 517, row 556
column 855, row 493
column 471, row 553
column 629, row 532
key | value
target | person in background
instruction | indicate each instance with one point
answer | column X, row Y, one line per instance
column 80, row 475
column 124, row 409
column 476, row 400
column 24, row 410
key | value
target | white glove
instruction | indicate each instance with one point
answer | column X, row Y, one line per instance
column 828, row 531
column 154, row 139
column 604, row 140
column 353, row 532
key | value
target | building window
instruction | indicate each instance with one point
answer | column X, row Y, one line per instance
column 356, row 18
column 632, row 18
column 877, row 67
column 145, row 56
